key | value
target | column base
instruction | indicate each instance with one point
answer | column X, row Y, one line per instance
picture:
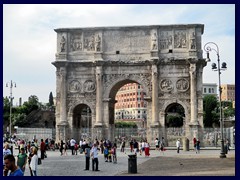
column 98, row 125
column 155, row 125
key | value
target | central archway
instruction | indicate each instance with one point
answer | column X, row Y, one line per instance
column 82, row 122
column 131, row 101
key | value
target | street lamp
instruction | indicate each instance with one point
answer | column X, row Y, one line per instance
column 11, row 85
column 208, row 47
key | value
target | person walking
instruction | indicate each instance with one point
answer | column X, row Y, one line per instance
column 157, row 144
column 72, row 144
column 105, row 154
column 178, row 144
column 94, row 155
column 30, row 155
column 114, row 153
column 34, row 162
column 42, row 148
column 10, row 165
column 123, row 145
column 194, row 143
column 61, row 147
column 22, row 159
column 65, row 149
column 87, row 156
column 197, row 146
column 135, row 146
column 6, row 151
column 146, row 149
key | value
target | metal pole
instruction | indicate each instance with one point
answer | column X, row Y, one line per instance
column 11, row 98
column 222, row 154
column 208, row 49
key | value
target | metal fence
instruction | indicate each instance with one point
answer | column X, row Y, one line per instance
column 35, row 133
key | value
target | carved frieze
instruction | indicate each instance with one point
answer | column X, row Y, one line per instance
column 166, row 40
column 76, row 42
column 166, row 85
column 92, row 42
column 180, row 39
column 182, row 85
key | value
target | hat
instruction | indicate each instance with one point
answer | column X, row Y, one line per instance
column 22, row 148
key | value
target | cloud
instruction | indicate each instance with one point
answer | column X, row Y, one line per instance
column 29, row 40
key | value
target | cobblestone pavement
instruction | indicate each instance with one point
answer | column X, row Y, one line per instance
column 157, row 164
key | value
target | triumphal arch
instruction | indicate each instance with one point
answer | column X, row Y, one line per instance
column 93, row 63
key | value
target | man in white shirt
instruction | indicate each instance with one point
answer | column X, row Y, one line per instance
column 72, row 144
column 94, row 155
column 80, row 146
column 178, row 144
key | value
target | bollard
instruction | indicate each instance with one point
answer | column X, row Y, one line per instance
column 185, row 144
column 132, row 164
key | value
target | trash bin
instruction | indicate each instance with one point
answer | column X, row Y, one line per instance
column 185, row 144
column 132, row 163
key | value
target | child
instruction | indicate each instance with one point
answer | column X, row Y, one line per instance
column 114, row 153
column 110, row 154
column 106, row 154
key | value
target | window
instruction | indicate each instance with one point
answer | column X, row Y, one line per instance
column 209, row 90
column 138, row 112
column 212, row 90
column 205, row 90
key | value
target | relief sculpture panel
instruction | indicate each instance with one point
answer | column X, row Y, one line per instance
column 166, row 39
column 89, row 86
column 166, row 85
column 182, row 85
column 76, row 42
column 180, row 39
column 74, row 86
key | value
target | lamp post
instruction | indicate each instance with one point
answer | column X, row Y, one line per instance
column 210, row 46
column 11, row 85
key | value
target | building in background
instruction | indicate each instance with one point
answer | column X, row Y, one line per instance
column 228, row 92
column 210, row 89
column 130, row 104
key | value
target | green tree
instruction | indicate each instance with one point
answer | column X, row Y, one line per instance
column 31, row 104
column 210, row 115
column 122, row 124
column 51, row 103
column 174, row 121
column 6, row 109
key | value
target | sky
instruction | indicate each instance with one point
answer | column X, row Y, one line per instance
column 29, row 39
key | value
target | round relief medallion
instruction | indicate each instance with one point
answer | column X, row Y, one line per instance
column 74, row 86
column 89, row 86
column 182, row 85
column 166, row 85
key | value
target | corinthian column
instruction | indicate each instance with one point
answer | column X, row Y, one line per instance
column 155, row 120
column 63, row 113
column 99, row 96
column 193, row 93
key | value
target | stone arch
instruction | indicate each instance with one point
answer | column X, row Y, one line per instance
column 164, row 107
column 122, row 80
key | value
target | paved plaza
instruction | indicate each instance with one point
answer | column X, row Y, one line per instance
column 170, row 163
